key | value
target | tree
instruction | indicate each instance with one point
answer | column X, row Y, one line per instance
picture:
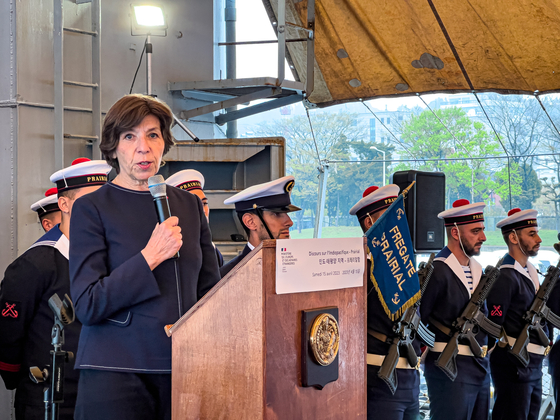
column 425, row 137
column 522, row 126
column 551, row 191
column 348, row 180
column 333, row 133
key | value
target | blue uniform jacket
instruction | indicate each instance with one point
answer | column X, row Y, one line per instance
column 26, row 320
column 445, row 299
column 508, row 301
column 227, row 267
column 554, row 355
column 379, row 321
column 123, row 305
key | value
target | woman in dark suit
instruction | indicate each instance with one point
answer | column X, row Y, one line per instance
column 125, row 283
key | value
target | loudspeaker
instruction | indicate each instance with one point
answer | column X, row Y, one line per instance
column 422, row 205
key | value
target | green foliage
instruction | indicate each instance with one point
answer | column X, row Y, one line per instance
column 501, row 183
column 530, row 187
column 425, row 137
column 335, row 134
column 347, row 181
column 436, row 140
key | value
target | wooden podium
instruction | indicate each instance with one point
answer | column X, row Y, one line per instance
column 237, row 352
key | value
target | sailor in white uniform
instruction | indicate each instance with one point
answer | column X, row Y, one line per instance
column 518, row 388
column 456, row 275
column 26, row 320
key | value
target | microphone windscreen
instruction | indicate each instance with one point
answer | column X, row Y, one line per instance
column 157, row 186
column 557, row 247
column 558, row 236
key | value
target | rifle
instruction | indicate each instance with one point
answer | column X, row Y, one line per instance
column 535, row 314
column 406, row 329
column 468, row 324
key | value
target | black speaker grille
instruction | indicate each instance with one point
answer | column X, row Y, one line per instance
column 423, row 203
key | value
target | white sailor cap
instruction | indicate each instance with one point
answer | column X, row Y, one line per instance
column 518, row 219
column 272, row 196
column 375, row 199
column 82, row 173
column 188, row 180
column 463, row 213
column 48, row 204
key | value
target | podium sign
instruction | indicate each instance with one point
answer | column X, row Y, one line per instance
column 312, row 265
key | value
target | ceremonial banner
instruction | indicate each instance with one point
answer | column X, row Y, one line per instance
column 393, row 268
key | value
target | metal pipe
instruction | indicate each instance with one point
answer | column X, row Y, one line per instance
column 96, row 75
column 80, row 31
column 231, row 60
column 58, row 85
column 310, row 71
column 149, row 64
column 270, row 41
column 80, row 84
column 383, row 152
column 281, row 40
column 323, row 175
column 186, row 129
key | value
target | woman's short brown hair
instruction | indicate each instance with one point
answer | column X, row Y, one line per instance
column 127, row 113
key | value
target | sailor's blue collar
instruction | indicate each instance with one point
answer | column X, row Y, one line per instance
column 52, row 235
column 444, row 253
column 508, row 260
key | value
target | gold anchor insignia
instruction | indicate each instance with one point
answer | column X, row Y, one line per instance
column 484, row 351
column 324, row 339
column 375, row 242
column 289, row 186
column 400, row 212
column 396, row 299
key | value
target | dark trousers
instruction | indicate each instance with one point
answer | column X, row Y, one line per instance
column 556, row 388
column 516, row 400
column 458, row 400
column 382, row 405
column 37, row 412
column 122, row 395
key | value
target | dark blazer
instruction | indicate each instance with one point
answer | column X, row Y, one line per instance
column 220, row 257
column 379, row 321
column 123, row 305
column 444, row 299
column 26, row 320
column 509, row 299
column 227, row 267
column 554, row 355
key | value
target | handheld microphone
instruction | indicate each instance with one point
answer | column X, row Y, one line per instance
column 158, row 189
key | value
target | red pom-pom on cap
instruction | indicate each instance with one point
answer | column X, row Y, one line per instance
column 369, row 190
column 460, row 203
column 513, row 211
column 51, row 191
column 80, row 160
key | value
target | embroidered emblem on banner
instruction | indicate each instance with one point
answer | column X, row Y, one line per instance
column 10, row 311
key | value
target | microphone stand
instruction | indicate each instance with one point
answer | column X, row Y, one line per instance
column 53, row 375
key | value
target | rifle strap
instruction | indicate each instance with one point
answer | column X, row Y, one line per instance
column 378, row 335
column 506, row 341
column 440, row 326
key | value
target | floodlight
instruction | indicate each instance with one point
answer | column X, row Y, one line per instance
column 148, row 19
